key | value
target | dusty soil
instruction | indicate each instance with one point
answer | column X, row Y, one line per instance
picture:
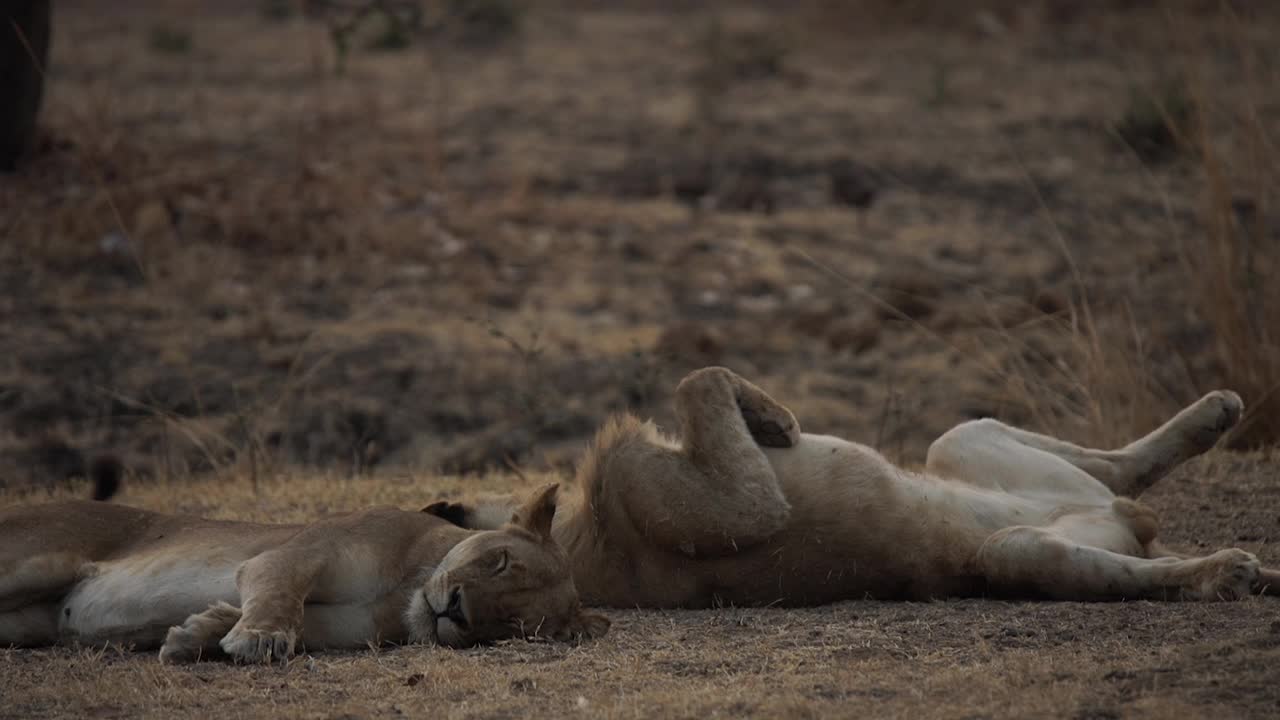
column 957, row 659
column 460, row 255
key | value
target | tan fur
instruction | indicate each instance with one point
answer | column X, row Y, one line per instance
column 95, row 573
column 745, row 509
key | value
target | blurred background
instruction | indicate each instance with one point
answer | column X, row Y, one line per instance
column 454, row 235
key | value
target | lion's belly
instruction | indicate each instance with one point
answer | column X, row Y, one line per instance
column 137, row 599
column 860, row 526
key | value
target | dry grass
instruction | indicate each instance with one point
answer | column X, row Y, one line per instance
column 1231, row 265
column 945, row 659
column 1097, row 373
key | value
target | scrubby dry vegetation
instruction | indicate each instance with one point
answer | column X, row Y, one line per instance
column 278, row 272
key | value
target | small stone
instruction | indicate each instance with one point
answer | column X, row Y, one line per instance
column 114, row 243
column 799, row 293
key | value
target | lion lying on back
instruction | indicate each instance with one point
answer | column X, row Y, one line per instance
column 745, row 509
column 98, row 573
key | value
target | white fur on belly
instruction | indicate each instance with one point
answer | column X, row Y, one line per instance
column 142, row 593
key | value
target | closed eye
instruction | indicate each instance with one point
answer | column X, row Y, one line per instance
column 503, row 561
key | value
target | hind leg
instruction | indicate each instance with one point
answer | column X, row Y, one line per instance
column 28, row 580
column 1268, row 582
column 988, row 454
column 32, row 587
column 973, row 452
column 1137, row 466
column 1040, row 562
column 31, row 626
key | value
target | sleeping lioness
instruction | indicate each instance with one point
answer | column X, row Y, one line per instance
column 98, row 573
column 745, row 509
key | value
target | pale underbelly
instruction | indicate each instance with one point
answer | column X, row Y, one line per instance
column 132, row 602
column 138, row 600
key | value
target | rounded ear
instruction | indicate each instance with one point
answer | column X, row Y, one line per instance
column 538, row 511
column 586, row 625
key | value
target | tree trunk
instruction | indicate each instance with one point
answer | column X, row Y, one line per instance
column 24, row 51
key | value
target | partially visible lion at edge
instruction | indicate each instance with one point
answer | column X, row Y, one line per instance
column 93, row 573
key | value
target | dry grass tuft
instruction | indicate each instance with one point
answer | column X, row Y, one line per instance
column 1096, row 373
column 1231, row 267
column 1074, row 377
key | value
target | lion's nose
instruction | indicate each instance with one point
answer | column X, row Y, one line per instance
column 454, row 610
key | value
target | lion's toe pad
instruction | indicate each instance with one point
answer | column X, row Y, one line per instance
column 771, row 431
column 1225, row 575
column 259, row 646
column 1211, row 416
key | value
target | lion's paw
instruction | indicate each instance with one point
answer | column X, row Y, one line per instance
column 1225, row 575
column 770, row 424
column 189, row 641
column 253, row 645
column 1211, row 416
column 180, row 646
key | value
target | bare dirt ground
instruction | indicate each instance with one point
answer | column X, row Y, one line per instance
column 230, row 264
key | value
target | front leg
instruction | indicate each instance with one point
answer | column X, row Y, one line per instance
column 199, row 635
column 716, row 493
column 273, row 588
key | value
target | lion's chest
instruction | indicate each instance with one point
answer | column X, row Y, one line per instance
column 354, row 625
column 124, row 598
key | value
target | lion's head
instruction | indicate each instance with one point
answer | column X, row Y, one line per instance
column 511, row 582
